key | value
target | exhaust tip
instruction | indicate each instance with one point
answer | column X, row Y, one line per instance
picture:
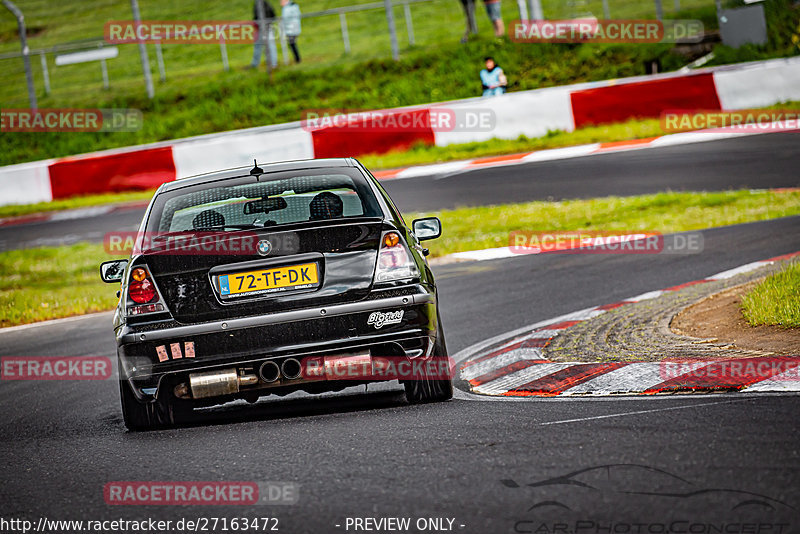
column 269, row 371
column 291, row 368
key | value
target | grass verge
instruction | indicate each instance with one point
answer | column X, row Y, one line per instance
column 47, row 283
column 489, row 226
column 86, row 201
column 776, row 300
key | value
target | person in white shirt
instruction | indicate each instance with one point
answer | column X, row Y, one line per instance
column 290, row 13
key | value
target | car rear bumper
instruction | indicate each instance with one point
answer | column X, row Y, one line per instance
column 245, row 343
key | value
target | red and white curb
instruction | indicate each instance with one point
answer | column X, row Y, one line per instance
column 512, row 365
column 552, row 154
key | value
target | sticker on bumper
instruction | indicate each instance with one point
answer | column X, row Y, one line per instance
column 380, row 319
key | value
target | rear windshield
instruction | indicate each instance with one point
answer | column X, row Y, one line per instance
column 273, row 200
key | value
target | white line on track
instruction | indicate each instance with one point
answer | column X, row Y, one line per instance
column 639, row 412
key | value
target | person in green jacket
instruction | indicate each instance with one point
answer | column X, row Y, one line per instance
column 290, row 13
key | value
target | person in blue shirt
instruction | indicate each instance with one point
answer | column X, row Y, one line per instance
column 290, row 13
column 493, row 79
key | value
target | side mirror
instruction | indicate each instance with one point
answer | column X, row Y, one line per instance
column 112, row 271
column 427, row 228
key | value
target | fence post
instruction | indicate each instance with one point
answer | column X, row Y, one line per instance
column 223, row 51
column 606, row 10
column 659, row 10
column 26, row 57
column 162, row 73
column 104, row 69
column 282, row 37
column 148, row 77
column 345, row 35
column 45, row 73
column 387, row 4
column 677, row 5
column 409, row 23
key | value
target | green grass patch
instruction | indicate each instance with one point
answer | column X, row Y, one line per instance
column 776, row 300
column 47, row 283
column 86, row 201
column 488, row 227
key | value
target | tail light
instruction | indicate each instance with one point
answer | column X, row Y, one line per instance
column 394, row 260
column 142, row 291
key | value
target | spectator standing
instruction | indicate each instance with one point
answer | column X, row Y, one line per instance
column 493, row 79
column 290, row 13
column 469, row 13
column 265, row 37
column 493, row 11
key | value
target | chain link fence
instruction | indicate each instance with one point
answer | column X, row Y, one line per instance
column 331, row 35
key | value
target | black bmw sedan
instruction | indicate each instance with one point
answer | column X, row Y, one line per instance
column 258, row 281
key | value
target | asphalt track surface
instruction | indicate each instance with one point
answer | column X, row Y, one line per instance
column 708, row 166
column 680, row 462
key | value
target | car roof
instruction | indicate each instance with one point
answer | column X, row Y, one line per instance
column 267, row 167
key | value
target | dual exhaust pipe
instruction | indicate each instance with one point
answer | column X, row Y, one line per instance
column 290, row 369
column 230, row 381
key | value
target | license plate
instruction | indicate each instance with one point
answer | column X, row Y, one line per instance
column 263, row 281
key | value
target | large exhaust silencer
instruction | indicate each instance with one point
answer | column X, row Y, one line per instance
column 217, row 383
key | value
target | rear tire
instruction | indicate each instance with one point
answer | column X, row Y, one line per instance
column 140, row 416
column 427, row 389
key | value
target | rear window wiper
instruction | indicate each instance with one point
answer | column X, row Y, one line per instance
column 223, row 226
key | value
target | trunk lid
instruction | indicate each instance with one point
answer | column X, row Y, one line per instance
column 223, row 284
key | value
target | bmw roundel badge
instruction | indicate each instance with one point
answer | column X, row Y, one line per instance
column 264, row 247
